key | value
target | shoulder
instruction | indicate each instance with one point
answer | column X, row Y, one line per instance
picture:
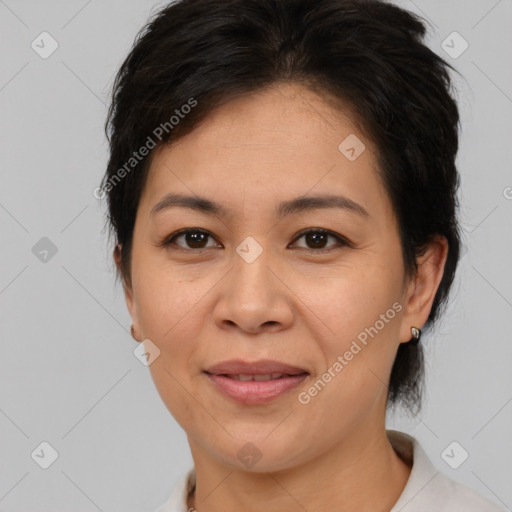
column 456, row 497
column 428, row 488
column 177, row 501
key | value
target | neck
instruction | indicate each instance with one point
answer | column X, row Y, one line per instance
column 362, row 474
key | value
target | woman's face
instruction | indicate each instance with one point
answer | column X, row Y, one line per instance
column 250, row 287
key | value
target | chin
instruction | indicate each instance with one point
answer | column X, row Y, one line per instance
column 259, row 456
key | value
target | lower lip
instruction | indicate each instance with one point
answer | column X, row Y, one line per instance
column 253, row 391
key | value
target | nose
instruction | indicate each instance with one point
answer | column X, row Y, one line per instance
column 254, row 297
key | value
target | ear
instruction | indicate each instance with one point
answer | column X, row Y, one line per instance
column 127, row 287
column 422, row 289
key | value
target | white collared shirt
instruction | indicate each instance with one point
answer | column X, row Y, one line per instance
column 427, row 489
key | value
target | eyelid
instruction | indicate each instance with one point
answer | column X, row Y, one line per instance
column 168, row 240
column 342, row 241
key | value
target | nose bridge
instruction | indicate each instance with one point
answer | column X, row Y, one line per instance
column 252, row 279
column 252, row 295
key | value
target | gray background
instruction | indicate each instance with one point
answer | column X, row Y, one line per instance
column 68, row 375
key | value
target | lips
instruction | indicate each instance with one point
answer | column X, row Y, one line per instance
column 258, row 377
column 264, row 367
column 255, row 383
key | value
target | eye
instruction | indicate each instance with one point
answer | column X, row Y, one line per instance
column 193, row 238
column 196, row 239
column 317, row 238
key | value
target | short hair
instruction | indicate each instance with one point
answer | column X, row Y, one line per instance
column 367, row 56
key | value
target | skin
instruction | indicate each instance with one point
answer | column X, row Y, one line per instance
column 204, row 306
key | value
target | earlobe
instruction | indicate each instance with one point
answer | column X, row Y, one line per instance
column 424, row 286
column 117, row 253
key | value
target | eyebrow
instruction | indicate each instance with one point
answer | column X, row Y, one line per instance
column 299, row 204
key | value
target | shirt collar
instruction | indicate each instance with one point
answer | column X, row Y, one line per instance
column 423, row 471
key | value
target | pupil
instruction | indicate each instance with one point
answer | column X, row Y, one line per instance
column 316, row 238
column 195, row 238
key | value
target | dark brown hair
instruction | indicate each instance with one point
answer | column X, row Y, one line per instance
column 366, row 54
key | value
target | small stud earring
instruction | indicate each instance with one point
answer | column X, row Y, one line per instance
column 416, row 334
column 132, row 331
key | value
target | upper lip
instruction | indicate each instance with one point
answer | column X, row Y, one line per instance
column 262, row 367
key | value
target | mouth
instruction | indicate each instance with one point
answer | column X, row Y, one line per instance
column 257, row 377
column 255, row 383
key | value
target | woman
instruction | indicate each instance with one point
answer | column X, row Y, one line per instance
column 282, row 192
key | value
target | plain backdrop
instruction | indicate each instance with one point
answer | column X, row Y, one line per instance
column 68, row 375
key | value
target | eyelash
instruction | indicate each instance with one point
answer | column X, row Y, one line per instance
column 342, row 241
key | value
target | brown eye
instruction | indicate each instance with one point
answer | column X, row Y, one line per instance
column 192, row 239
column 317, row 239
column 195, row 239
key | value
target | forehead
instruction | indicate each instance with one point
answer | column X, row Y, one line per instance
column 280, row 142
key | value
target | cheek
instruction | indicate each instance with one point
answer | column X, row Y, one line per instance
column 173, row 391
column 166, row 303
column 363, row 316
column 172, row 315
column 350, row 304
column 353, row 383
